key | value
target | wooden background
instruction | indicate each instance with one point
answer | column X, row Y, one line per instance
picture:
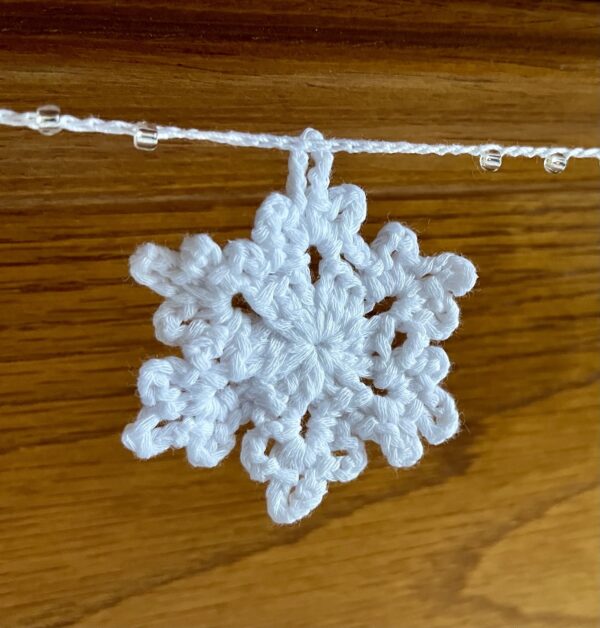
column 500, row 527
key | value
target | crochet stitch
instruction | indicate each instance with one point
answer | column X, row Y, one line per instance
column 317, row 365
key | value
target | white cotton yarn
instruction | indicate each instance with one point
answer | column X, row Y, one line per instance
column 313, row 366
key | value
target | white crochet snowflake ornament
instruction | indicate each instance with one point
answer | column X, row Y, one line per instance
column 316, row 365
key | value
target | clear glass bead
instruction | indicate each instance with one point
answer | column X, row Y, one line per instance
column 555, row 164
column 491, row 160
column 146, row 137
column 48, row 119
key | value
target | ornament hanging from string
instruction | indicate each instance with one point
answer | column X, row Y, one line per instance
column 317, row 340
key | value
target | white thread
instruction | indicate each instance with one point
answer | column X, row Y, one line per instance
column 27, row 119
column 306, row 347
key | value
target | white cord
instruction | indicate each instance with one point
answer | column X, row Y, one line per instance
column 48, row 120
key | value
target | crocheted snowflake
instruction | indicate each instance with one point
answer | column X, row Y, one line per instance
column 317, row 365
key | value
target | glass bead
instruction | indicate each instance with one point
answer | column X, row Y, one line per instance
column 48, row 119
column 555, row 164
column 491, row 160
column 146, row 137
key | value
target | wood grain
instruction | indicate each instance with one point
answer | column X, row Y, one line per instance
column 498, row 528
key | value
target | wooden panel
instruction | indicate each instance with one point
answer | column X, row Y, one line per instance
column 497, row 528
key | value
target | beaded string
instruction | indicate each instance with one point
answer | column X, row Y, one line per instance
column 48, row 120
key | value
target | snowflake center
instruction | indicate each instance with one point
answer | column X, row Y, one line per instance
column 326, row 342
